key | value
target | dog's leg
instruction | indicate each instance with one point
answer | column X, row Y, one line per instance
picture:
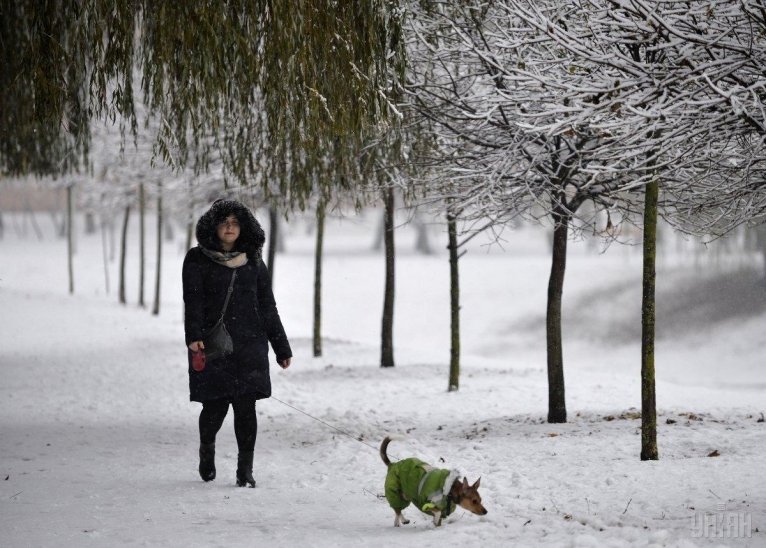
column 437, row 518
column 400, row 519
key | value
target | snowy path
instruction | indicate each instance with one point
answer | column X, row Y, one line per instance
column 98, row 440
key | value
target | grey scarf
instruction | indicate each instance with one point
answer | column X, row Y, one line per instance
column 232, row 259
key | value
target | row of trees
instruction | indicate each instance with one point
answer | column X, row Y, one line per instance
column 638, row 108
column 560, row 112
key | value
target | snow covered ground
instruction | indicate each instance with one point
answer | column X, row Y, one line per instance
column 98, row 440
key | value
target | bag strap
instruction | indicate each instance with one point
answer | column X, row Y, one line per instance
column 228, row 296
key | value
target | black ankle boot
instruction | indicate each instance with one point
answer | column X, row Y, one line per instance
column 207, row 461
column 245, row 470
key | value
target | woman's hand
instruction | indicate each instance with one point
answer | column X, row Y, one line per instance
column 196, row 346
column 284, row 364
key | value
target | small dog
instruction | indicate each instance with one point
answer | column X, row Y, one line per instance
column 434, row 491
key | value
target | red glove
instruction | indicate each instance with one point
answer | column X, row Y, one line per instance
column 198, row 360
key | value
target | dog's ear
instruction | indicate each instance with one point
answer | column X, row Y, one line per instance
column 476, row 485
column 464, row 485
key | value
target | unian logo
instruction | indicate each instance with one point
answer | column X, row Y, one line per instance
column 722, row 524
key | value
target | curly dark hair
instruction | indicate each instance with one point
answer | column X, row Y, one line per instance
column 251, row 235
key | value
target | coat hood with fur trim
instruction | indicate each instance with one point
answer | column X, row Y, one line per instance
column 251, row 235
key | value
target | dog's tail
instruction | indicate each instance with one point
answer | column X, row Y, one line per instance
column 383, row 447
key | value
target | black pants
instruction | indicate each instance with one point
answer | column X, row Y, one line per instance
column 245, row 422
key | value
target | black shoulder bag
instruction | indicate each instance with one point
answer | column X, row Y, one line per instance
column 218, row 341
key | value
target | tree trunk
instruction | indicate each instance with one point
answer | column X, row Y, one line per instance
column 60, row 227
column 141, row 243
column 380, row 233
column 105, row 254
column 760, row 238
column 110, row 227
column 90, row 223
column 422, row 245
column 169, row 232
column 648, row 394
column 318, row 280
column 387, row 331
column 156, row 307
column 70, row 235
column 33, row 220
column 123, row 250
column 557, row 411
column 273, row 238
column 454, row 364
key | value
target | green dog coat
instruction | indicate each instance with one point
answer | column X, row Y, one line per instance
column 414, row 481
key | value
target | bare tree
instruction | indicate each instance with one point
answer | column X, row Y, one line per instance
column 318, row 252
column 123, row 251
column 680, row 79
column 540, row 107
column 70, row 234
column 387, row 323
column 454, row 256
column 158, row 265
column 489, row 158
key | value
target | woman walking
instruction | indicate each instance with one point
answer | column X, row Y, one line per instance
column 228, row 261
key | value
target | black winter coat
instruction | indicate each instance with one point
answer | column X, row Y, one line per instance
column 251, row 319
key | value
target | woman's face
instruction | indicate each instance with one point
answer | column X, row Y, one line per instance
column 228, row 232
